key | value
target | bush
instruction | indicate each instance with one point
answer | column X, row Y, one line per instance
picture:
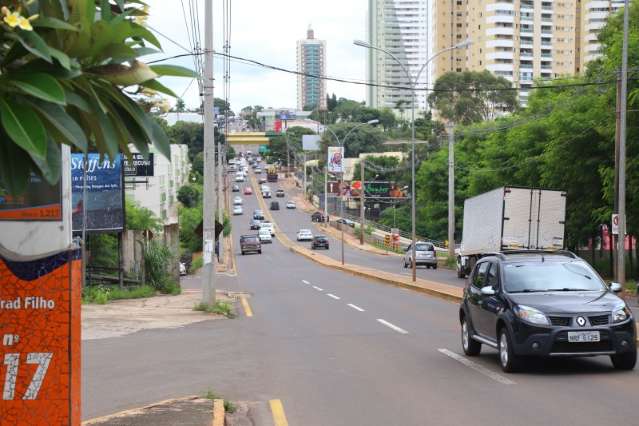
column 227, row 225
column 196, row 264
column 103, row 294
column 220, row 308
column 190, row 220
column 157, row 257
column 189, row 195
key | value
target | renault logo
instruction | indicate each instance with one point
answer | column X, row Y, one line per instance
column 581, row 321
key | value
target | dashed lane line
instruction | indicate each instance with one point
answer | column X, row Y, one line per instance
column 392, row 326
column 306, row 282
column 318, row 288
column 479, row 368
column 332, row 296
column 247, row 308
column 357, row 308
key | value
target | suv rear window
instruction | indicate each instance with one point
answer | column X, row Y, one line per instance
column 424, row 247
column 550, row 276
column 250, row 240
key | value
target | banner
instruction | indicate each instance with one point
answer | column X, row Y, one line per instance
column 335, row 159
column 311, row 142
column 40, row 303
column 40, row 201
column 105, row 211
column 138, row 166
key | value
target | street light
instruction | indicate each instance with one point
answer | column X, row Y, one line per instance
column 341, row 144
column 413, row 88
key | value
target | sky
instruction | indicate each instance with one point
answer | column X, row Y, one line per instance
column 267, row 31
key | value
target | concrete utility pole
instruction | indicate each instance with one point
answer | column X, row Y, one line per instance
column 208, row 277
column 451, row 189
column 326, row 192
column 304, row 187
column 621, row 258
column 362, row 205
column 220, row 195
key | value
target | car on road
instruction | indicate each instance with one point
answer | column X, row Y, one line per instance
column 266, row 194
column 236, row 188
column 275, row 205
column 346, row 222
column 280, row 193
column 255, row 224
column 265, row 236
column 291, row 205
column 268, row 226
column 237, row 201
column 239, row 178
column 318, row 217
column 261, row 179
column 544, row 304
column 424, row 253
column 258, row 215
column 182, row 269
column 248, row 190
column 319, row 241
column 304, row 235
column 258, row 170
column 237, row 210
column 250, row 243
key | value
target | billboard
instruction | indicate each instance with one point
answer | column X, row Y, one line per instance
column 310, row 142
column 105, row 211
column 40, row 201
column 376, row 189
column 335, row 159
column 138, row 166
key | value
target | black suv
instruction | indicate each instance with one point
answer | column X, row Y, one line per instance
column 279, row 193
column 319, row 241
column 546, row 304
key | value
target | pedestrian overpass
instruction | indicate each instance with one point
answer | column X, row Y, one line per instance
column 248, row 138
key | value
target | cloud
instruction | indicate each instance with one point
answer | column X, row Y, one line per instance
column 268, row 32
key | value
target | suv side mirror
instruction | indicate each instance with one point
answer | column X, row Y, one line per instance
column 616, row 287
column 488, row 291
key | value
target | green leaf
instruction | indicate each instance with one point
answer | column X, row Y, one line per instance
column 140, row 31
column 33, row 43
column 61, row 57
column 15, row 168
column 68, row 128
column 77, row 101
column 123, row 75
column 160, row 140
column 173, row 71
column 158, row 87
column 105, row 8
column 51, row 167
column 116, row 52
column 39, row 85
column 56, row 24
column 143, row 51
column 24, row 127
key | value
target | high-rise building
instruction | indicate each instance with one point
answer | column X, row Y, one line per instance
column 594, row 15
column 311, row 59
column 403, row 28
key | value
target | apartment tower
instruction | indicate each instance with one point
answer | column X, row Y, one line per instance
column 311, row 59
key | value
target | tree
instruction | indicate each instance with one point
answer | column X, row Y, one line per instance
column 188, row 195
column 362, row 139
column 278, row 145
column 331, row 102
column 180, row 106
column 65, row 66
column 472, row 96
column 387, row 119
column 224, row 106
column 140, row 218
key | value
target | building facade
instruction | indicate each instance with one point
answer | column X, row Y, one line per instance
column 594, row 15
column 403, row 28
column 311, row 59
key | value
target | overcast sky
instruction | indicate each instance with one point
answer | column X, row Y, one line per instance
column 267, row 31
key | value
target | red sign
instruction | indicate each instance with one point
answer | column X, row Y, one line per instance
column 40, row 339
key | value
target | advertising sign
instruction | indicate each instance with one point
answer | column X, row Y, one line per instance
column 104, row 190
column 40, row 303
column 138, row 166
column 40, row 201
column 333, row 187
column 335, row 159
column 615, row 224
column 310, row 142
column 376, row 189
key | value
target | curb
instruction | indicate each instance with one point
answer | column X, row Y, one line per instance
column 133, row 410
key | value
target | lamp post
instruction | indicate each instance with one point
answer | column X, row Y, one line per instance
column 413, row 89
column 341, row 144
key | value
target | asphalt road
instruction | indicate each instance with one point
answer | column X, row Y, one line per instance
column 342, row 350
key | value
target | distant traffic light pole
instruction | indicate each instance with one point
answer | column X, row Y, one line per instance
column 341, row 144
column 413, row 89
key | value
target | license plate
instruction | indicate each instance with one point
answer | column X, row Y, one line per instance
column 583, row 336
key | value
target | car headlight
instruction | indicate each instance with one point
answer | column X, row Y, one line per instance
column 620, row 315
column 531, row 315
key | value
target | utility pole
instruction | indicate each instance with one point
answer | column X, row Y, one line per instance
column 220, row 187
column 304, row 187
column 451, row 190
column 615, row 208
column 326, row 192
column 621, row 259
column 362, row 205
column 208, row 277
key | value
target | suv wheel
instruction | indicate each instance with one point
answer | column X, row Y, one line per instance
column 625, row 361
column 471, row 347
column 510, row 362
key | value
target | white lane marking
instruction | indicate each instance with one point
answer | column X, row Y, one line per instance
column 306, row 282
column 357, row 308
column 317, row 288
column 392, row 326
column 479, row 368
column 333, row 296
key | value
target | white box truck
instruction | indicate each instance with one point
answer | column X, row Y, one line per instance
column 511, row 218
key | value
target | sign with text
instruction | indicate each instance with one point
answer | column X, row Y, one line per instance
column 138, row 166
column 375, row 189
column 104, row 193
column 40, row 201
column 40, row 339
column 336, row 159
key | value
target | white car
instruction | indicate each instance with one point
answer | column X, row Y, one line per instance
column 237, row 201
column 182, row 269
column 238, row 210
column 265, row 235
column 268, row 226
column 290, row 205
column 304, row 235
column 265, row 188
column 239, row 178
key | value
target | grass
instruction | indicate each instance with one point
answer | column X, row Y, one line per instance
column 102, row 294
column 631, row 286
column 196, row 264
column 229, row 407
column 220, row 308
column 451, row 262
column 383, row 246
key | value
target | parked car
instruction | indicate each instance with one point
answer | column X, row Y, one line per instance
column 269, row 226
column 280, row 193
column 182, row 269
column 304, row 235
column 544, row 304
column 319, row 241
column 255, row 224
column 237, row 201
column 317, row 217
column 236, row 188
column 291, row 205
column 346, row 222
column 250, row 243
column 237, row 210
column 424, row 253
column 275, row 205
column 248, row 190
column 265, row 235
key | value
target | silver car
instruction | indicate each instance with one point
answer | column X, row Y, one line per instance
column 424, row 253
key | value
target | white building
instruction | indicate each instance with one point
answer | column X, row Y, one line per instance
column 404, row 28
column 311, row 59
